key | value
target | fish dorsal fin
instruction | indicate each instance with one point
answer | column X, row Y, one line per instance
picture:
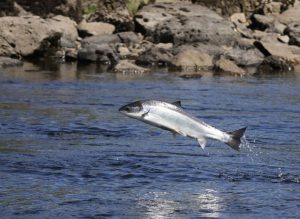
column 202, row 142
column 177, row 103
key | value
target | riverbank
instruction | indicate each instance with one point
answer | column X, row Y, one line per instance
column 191, row 38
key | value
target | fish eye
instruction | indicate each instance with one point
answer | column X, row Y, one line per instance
column 127, row 109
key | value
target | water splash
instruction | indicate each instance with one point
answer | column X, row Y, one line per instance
column 251, row 150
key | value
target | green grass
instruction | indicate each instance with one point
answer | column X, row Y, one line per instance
column 90, row 9
column 134, row 5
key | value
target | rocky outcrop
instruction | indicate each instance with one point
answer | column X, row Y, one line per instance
column 182, row 36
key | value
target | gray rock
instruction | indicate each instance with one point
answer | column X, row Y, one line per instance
column 293, row 31
column 32, row 35
column 26, row 35
column 277, row 27
column 155, row 56
column 210, row 49
column 153, row 14
column 65, row 26
column 164, row 45
column 129, row 37
column 9, row 62
column 226, row 66
column 262, row 22
column 238, row 18
column 283, row 38
column 273, row 8
column 95, row 28
column 188, row 59
column 103, row 39
column 291, row 15
column 102, row 53
column 245, row 57
column 195, row 29
column 273, row 64
column 280, row 51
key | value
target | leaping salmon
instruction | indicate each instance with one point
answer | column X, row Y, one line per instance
column 171, row 117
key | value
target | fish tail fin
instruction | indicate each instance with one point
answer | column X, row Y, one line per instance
column 235, row 138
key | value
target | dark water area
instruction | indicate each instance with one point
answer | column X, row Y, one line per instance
column 66, row 151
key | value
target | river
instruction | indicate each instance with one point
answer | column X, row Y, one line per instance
column 66, row 151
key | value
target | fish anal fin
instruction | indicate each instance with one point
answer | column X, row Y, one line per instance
column 181, row 133
column 177, row 103
column 202, row 142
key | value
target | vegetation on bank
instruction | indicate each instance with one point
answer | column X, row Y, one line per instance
column 134, row 5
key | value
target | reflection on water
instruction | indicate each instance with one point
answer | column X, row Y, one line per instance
column 157, row 206
column 65, row 151
column 210, row 203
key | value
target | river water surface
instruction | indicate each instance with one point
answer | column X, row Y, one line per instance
column 66, row 151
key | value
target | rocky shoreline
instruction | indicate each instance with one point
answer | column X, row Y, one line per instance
column 187, row 37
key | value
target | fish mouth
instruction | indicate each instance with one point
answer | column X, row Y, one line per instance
column 121, row 109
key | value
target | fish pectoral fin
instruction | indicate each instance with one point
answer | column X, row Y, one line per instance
column 145, row 114
column 202, row 142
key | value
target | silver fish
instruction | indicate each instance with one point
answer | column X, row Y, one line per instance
column 171, row 117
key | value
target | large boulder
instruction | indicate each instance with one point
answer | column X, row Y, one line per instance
column 195, row 29
column 151, row 15
column 31, row 35
column 184, row 23
column 26, row 35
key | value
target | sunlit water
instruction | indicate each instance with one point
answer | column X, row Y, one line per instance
column 66, row 152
